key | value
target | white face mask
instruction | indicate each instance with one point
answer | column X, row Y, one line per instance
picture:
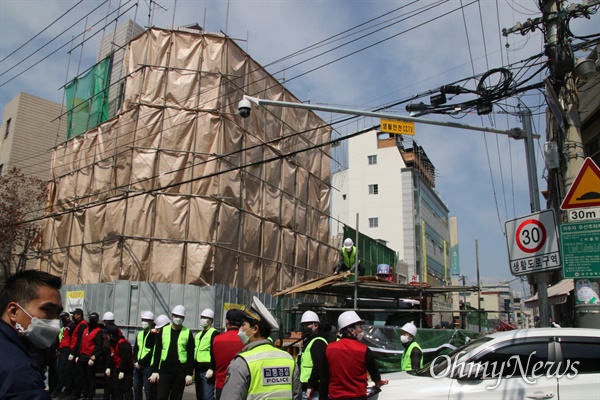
column 40, row 332
column 145, row 325
column 359, row 336
column 243, row 336
column 404, row 339
column 204, row 323
column 177, row 321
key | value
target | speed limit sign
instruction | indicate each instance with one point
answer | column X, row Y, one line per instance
column 533, row 243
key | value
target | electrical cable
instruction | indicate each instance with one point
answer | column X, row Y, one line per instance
column 52, row 40
column 40, row 32
column 61, row 47
column 337, row 47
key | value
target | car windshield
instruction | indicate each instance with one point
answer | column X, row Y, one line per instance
column 440, row 363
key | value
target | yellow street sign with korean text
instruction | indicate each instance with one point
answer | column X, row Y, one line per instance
column 397, row 127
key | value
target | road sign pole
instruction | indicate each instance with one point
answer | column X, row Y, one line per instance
column 541, row 278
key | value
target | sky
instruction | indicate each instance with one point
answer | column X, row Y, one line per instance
column 370, row 53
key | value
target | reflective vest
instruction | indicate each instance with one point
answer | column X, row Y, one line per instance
column 184, row 336
column 88, row 340
column 78, row 333
column 406, row 364
column 203, row 345
column 306, row 363
column 271, row 372
column 349, row 258
column 118, row 357
column 141, row 342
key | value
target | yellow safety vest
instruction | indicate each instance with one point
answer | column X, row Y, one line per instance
column 349, row 258
column 406, row 364
column 181, row 343
column 61, row 334
column 306, row 363
column 141, row 342
column 271, row 373
column 203, row 345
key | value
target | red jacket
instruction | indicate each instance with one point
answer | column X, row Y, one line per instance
column 122, row 355
column 88, row 340
column 225, row 347
column 77, row 335
column 347, row 369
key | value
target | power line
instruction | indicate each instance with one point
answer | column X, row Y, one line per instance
column 42, row 31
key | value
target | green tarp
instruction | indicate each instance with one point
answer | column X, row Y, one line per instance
column 385, row 343
column 87, row 99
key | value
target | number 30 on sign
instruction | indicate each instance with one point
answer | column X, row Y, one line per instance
column 533, row 243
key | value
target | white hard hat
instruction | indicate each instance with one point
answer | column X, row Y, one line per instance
column 108, row 316
column 348, row 243
column 410, row 328
column 348, row 318
column 148, row 315
column 309, row 316
column 208, row 313
column 179, row 310
column 161, row 321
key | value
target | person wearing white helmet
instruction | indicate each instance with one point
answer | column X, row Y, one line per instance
column 312, row 355
column 173, row 359
column 348, row 361
column 161, row 321
column 348, row 258
column 143, row 350
column 204, row 361
column 412, row 359
column 108, row 320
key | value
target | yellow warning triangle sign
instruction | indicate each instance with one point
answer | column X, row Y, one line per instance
column 585, row 191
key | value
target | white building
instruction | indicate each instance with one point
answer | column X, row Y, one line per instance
column 390, row 187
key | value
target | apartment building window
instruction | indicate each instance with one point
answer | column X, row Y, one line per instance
column 7, row 128
column 372, row 159
column 373, row 222
column 374, row 189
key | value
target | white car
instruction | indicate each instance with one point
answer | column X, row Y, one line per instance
column 541, row 363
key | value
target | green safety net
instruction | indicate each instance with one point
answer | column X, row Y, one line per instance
column 87, row 99
column 385, row 344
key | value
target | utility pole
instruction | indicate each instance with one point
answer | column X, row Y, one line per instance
column 562, row 83
column 541, row 278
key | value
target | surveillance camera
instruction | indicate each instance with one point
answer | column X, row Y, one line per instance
column 244, row 108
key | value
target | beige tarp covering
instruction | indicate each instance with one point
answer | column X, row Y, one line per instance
column 178, row 188
column 557, row 294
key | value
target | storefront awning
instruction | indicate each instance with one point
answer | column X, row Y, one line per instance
column 557, row 294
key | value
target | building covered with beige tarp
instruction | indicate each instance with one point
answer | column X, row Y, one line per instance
column 178, row 188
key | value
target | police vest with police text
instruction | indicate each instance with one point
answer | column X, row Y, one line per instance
column 271, row 372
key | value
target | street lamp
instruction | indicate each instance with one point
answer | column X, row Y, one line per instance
column 245, row 109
